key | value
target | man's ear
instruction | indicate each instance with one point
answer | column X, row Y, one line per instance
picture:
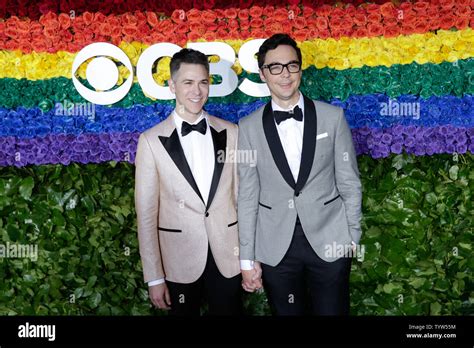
column 171, row 85
column 262, row 76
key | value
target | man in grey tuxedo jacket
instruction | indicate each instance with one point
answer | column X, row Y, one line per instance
column 299, row 205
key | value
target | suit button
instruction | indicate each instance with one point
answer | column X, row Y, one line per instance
column 297, row 194
column 207, row 213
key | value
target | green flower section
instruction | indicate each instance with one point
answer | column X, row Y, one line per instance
column 323, row 84
column 417, row 235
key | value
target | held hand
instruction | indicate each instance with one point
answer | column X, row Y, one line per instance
column 258, row 270
column 251, row 279
column 247, row 280
column 257, row 277
column 160, row 296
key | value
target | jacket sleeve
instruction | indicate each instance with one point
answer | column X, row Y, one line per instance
column 147, row 192
column 249, row 190
column 347, row 176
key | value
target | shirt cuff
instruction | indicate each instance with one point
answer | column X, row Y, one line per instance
column 246, row 265
column 156, row 282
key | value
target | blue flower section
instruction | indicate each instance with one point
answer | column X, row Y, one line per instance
column 374, row 111
column 380, row 111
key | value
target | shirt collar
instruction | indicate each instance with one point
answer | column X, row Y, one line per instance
column 276, row 107
column 178, row 120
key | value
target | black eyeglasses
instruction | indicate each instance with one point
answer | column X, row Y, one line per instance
column 277, row 68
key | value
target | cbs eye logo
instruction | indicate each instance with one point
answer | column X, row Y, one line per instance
column 102, row 72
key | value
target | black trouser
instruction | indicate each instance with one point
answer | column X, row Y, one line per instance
column 223, row 294
column 301, row 269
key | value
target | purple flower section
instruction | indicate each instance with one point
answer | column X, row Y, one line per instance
column 121, row 147
column 67, row 148
column 419, row 141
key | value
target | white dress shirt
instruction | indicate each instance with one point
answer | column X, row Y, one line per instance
column 291, row 136
column 199, row 152
column 290, row 132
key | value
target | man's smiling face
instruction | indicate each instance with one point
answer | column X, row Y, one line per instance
column 190, row 84
column 285, row 86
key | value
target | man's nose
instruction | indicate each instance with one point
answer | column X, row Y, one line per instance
column 286, row 72
column 196, row 90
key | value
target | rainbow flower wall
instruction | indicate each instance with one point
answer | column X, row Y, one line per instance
column 355, row 57
column 372, row 59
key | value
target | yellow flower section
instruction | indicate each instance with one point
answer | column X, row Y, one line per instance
column 345, row 53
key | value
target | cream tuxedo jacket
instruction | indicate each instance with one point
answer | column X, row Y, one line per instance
column 175, row 227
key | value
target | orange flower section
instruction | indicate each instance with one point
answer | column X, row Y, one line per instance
column 53, row 33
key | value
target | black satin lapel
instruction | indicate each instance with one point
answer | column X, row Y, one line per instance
column 309, row 143
column 220, row 140
column 175, row 150
column 273, row 140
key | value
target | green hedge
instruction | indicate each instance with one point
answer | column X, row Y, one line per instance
column 417, row 234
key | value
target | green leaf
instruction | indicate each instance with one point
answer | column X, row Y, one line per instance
column 431, row 198
column 91, row 281
column 57, row 218
column 393, row 287
column 3, row 190
column 94, row 300
column 26, row 187
column 88, row 203
column 453, row 172
column 435, row 308
column 373, row 232
column 78, row 293
column 417, row 282
column 441, row 285
column 13, row 233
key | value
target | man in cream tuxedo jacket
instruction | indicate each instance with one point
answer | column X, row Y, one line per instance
column 301, row 203
column 185, row 198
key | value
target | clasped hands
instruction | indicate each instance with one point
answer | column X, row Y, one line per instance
column 252, row 279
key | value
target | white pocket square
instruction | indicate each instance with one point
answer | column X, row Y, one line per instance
column 321, row 136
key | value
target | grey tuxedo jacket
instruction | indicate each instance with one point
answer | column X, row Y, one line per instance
column 326, row 197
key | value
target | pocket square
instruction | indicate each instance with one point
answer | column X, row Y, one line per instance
column 321, row 136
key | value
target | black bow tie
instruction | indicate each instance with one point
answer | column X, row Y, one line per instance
column 187, row 128
column 281, row 116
